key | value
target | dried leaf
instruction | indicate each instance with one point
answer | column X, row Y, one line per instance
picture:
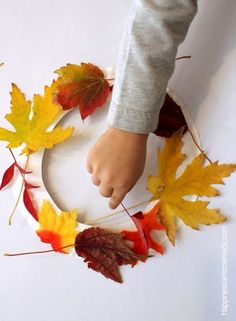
column 171, row 118
column 32, row 130
column 195, row 180
column 104, row 251
column 83, row 86
column 148, row 222
column 57, row 229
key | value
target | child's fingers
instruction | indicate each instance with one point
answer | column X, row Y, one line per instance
column 96, row 181
column 117, row 197
column 105, row 190
column 89, row 167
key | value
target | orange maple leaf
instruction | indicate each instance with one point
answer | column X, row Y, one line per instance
column 82, row 86
column 57, row 229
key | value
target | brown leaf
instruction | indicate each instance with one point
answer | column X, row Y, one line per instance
column 171, row 118
column 104, row 251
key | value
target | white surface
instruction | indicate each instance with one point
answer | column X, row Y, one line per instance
column 185, row 284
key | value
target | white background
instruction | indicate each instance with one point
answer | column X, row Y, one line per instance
column 37, row 37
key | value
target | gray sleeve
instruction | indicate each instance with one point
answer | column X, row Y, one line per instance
column 146, row 61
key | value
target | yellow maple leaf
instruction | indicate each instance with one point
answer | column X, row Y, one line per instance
column 57, row 229
column 196, row 180
column 32, row 129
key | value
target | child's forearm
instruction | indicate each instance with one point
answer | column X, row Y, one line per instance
column 146, row 60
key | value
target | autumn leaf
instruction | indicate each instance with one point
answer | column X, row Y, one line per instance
column 138, row 238
column 27, row 200
column 57, row 229
column 195, row 180
column 32, row 130
column 148, row 222
column 7, row 176
column 171, row 118
column 104, row 251
column 84, row 86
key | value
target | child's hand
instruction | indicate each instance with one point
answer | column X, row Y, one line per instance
column 116, row 162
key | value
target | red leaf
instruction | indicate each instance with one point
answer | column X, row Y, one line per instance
column 148, row 222
column 30, row 186
column 171, row 118
column 84, row 87
column 138, row 237
column 7, row 176
column 29, row 204
column 104, row 251
column 22, row 170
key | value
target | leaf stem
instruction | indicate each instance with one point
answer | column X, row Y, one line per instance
column 12, row 154
column 125, row 209
column 182, row 57
column 200, row 149
column 16, row 204
column 21, row 188
column 116, row 213
column 38, row 252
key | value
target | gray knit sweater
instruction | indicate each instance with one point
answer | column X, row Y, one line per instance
column 146, row 61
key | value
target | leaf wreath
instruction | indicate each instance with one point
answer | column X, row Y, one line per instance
column 84, row 86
